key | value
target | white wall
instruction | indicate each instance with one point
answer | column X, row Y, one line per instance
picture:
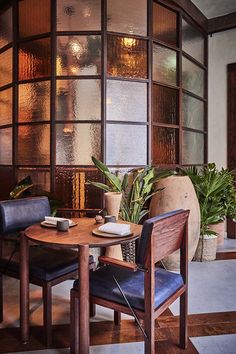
column 222, row 51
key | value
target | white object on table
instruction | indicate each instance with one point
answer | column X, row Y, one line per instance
column 52, row 220
column 116, row 229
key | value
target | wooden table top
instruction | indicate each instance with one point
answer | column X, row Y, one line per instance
column 80, row 234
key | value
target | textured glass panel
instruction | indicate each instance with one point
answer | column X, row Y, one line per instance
column 126, row 101
column 34, row 102
column 34, row 144
column 193, row 41
column 126, row 144
column 165, row 145
column 127, row 57
column 6, row 67
column 78, row 15
column 7, row 182
column 72, row 190
column 193, row 112
column 78, row 100
column 35, row 59
column 193, row 77
column 6, row 146
column 78, row 55
column 164, row 65
column 40, row 178
column 76, row 143
column 193, row 148
column 6, row 106
column 164, row 24
column 165, row 105
column 6, row 27
column 127, row 16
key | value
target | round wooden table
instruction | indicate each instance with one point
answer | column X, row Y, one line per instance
column 81, row 237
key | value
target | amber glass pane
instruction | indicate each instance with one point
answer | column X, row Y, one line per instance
column 7, row 182
column 78, row 100
column 127, row 16
column 34, row 102
column 165, row 145
column 193, row 148
column 35, row 59
column 6, row 106
column 72, row 190
column 127, row 57
column 6, row 146
column 76, row 143
column 34, row 17
column 164, row 24
column 193, row 112
column 164, row 65
column 6, row 67
column 78, row 55
column 165, row 104
column 193, row 41
column 79, row 15
column 126, row 144
column 6, row 27
column 34, row 144
column 126, row 101
column 193, row 77
column 40, row 178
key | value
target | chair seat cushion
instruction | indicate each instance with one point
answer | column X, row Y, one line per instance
column 102, row 285
column 46, row 263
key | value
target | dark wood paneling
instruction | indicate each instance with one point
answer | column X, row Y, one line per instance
column 222, row 23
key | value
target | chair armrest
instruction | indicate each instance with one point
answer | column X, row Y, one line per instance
column 118, row 263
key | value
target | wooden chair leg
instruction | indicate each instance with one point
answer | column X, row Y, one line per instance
column 92, row 309
column 47, row 312
column 117, row 318
column 183, row 325
column 1, row 298
column 149, row 341
column 74, row 322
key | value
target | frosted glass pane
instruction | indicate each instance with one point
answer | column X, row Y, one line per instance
column 6, row 106
column 6, row 146
column 40, row 178
column 72, row 190
column 126, row 101
column 6, row 67
column 78, row 55
column 126, row 144
column 34, row 102
column 127, row 57
column 164, row 24
column 164, row 65
column 34, row 144
column 193, row 77
column 76, row 143
column 34, row 17
column 78, row 15
column 193, row 112
column 127, row 16
column 193, row 148
column 6, row 27
column 165, row 105
column 35, row 59
column 193, row 42
column 165, row 145
column 78, row 100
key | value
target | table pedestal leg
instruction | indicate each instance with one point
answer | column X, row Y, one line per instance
column 24, row 288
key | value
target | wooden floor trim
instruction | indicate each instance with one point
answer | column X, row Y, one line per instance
column 225, row 255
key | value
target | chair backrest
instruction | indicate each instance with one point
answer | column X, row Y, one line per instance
column 16, row 215
column 162, row 235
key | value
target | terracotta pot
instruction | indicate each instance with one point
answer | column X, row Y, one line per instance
column 112, row 205
column 178, row 193
column 206, row 249
column 220, row 231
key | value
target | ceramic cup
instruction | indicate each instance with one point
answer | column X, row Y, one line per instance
column 63, row 225
column 109, row 218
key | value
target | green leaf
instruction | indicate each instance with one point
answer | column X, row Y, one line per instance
column 114, row 181
column 100, row 186
column 100, row 166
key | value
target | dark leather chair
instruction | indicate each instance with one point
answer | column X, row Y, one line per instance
column 149, row 289
column 47, row 266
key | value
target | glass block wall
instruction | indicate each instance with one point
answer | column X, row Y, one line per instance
column 124, row 81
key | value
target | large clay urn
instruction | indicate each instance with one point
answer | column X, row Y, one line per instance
column 178, row 193
column 112, row 205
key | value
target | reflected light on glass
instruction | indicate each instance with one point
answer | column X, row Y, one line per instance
column 128, row 42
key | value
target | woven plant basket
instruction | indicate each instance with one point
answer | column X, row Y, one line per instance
column 206, row 249
column 128, row 251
